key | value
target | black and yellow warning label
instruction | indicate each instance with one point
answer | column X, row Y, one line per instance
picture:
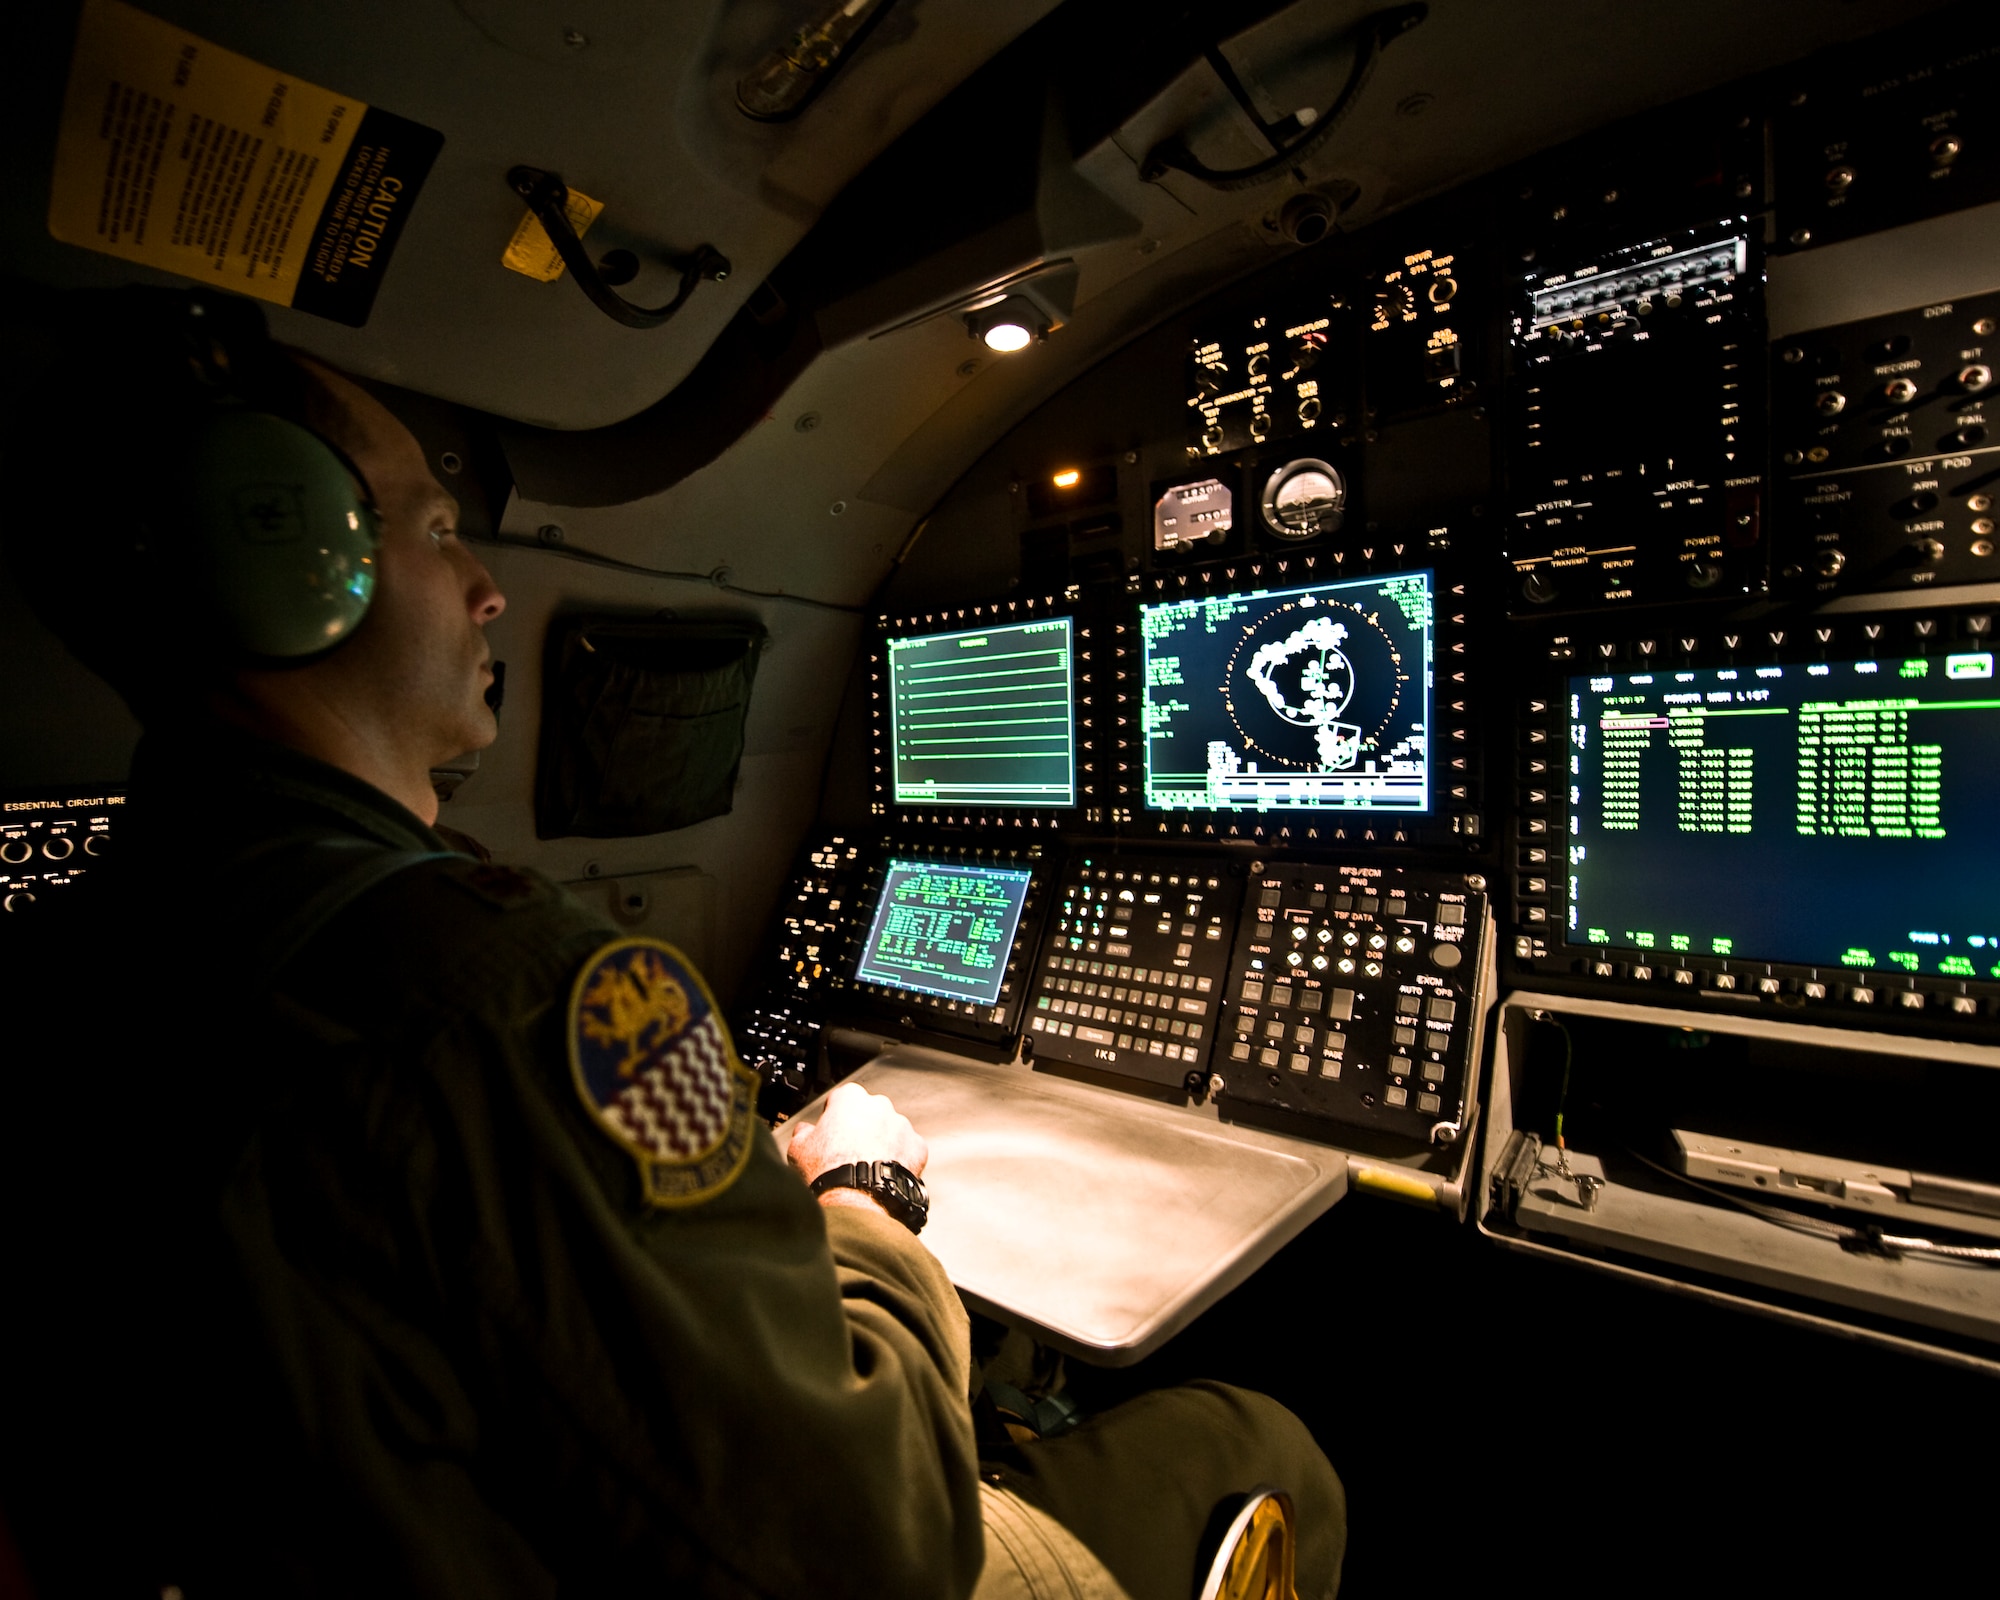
column 181, row 155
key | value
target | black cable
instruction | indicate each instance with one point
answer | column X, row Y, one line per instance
column 591, row 558
column 548, row 197
column 1173, row 155
column 1869, row 1239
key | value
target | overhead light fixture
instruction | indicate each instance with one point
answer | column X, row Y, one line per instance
column 1012, row 324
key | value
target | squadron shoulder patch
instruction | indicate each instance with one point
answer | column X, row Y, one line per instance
column 657, row 1071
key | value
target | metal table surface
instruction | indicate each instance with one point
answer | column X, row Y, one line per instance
column 1101, row 1222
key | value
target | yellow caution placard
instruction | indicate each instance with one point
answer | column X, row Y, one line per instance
column 532, row 253
column 181, row 155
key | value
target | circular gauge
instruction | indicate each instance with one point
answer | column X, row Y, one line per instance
column 1442, row 290
column 1304, row 499
column 19, row 900
column 15, row 851
column 96, row 844
column 1313, row 685
column 59, row 847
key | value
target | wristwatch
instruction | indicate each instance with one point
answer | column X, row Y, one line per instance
column 897, row 1189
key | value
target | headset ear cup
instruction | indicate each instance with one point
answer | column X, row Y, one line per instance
column 282, row 546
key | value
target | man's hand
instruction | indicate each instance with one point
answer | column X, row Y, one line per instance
column 855, row 1125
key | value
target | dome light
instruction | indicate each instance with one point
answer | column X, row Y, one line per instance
column 1011, row 324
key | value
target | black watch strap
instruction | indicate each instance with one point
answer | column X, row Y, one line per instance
column 897, row 1189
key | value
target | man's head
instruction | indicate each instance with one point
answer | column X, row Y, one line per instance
column 100, row 443
column 412, row 678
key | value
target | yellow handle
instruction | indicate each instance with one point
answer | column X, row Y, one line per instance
column 1396, row 1185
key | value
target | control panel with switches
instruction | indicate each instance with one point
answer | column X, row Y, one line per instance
column 1130, row 978
column 1354, row 998
column 1886, row 451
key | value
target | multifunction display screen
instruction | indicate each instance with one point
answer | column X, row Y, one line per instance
column 1831, row 814
column 1291, row 699
column 985, row 717
column 944, row 929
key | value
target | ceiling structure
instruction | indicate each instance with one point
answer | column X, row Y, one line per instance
column 786, row 434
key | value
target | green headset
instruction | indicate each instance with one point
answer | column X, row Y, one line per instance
column 266, row 531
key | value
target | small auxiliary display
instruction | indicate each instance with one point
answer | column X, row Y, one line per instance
column 944, row 928
column 941, row 940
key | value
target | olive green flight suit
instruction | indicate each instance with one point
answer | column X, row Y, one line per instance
column 424, row 1333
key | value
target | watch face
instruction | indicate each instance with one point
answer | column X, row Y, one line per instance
column 904, row 1192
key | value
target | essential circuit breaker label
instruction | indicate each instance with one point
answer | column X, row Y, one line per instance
column 178, row 154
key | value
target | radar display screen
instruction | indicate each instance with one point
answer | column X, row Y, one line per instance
column 943, row 928
column 1836, row 813
column 1291, row 699
column 984, row 717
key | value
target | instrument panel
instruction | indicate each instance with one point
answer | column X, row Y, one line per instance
column 1524, row 581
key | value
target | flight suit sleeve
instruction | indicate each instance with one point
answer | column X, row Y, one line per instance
column 741, row 1394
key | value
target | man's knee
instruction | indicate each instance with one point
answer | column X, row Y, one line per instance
column 1269, row 1445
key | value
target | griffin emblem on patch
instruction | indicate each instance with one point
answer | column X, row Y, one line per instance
column 657, row 1071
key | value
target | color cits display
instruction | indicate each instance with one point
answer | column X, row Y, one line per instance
column 984, row 717
column 1310, row 699
column 943, row 928
column 1828, row 814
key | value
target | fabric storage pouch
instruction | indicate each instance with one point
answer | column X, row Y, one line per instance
column 642, row 724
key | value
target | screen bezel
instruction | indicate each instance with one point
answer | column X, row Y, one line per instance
column 931, row 862
column 1083, row 806
column 1367, row 825
column 1574, row 943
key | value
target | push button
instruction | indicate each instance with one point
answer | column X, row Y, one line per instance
column 1442, row 1010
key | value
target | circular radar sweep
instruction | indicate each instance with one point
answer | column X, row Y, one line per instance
column 1311, row 684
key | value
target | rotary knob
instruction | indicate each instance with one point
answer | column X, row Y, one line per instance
column 1537, row 589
